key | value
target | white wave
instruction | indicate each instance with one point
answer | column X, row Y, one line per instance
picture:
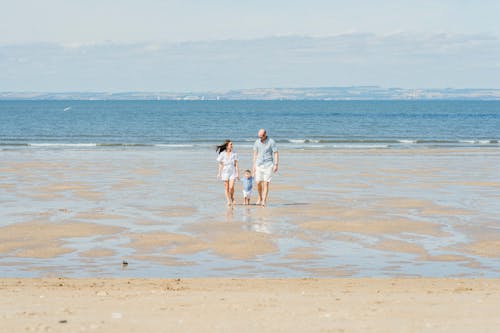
column 351, row 146
column 173, row 145
column 407, row 142
column 475, row 142
column 63, row 144
column 297, row 140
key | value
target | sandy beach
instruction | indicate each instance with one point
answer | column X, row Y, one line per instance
column 351, row 241
column 249, row 305
column 331, row 213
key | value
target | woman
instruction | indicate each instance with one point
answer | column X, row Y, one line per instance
column 228, row 169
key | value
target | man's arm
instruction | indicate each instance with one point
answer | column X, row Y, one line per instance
column 276, row 160
column 254, row 161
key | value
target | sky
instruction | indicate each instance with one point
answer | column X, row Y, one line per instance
column 194, row 45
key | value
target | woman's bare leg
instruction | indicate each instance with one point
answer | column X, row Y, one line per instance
column 226, row 192
column 231, row 190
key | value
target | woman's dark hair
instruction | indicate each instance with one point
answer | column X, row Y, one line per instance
column 219, row 149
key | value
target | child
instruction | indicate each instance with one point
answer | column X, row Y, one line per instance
column 247, row 183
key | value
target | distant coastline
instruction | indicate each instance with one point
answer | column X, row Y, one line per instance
column 317, row 93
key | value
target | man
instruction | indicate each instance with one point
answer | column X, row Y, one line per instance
column 265, row 163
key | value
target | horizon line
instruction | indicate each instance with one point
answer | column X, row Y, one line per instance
column 320, row 93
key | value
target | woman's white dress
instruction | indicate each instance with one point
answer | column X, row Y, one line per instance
column 228, row 170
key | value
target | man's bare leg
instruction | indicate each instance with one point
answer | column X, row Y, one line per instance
column 265, row 190
column 259, row 192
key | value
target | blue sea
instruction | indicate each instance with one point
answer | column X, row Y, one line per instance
column 293, row 124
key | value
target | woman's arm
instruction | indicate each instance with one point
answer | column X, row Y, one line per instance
column 237, row 174
column 221, row 165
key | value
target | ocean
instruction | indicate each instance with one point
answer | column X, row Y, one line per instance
column 293, row 124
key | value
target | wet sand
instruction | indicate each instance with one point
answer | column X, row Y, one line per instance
column 337, row 221
column 249, row 305
column 357, row 213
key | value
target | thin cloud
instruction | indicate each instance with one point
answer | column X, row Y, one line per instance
column 398, row 59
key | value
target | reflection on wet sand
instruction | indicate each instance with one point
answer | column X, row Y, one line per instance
column 330, row 213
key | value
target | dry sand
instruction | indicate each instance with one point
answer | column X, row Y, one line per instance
column 249, row 305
